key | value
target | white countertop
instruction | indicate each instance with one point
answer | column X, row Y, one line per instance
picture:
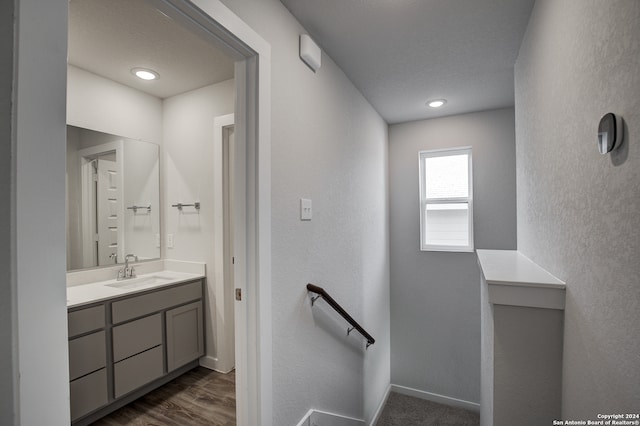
column 98, row 284
column 102, row 290
column 514, row 279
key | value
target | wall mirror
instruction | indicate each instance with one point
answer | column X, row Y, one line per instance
column 113, row 199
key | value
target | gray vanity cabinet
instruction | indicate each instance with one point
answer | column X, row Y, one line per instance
column 124, row 347
column 87, row 360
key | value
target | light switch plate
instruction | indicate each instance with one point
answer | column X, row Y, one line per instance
column 169, row 240
column 306, row 212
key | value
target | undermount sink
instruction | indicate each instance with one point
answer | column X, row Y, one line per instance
column 142, row 282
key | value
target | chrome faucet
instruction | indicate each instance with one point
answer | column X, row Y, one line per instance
column 127, row 272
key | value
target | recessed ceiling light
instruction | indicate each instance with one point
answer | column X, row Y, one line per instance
column 437, row 103
column 145, row 74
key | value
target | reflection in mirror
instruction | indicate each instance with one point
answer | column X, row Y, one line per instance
column 113, row 208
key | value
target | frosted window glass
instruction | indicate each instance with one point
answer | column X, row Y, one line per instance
column 447, row 176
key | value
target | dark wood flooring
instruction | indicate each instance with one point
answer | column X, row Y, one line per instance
column 198, row 398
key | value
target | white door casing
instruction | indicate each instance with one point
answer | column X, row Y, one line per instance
column 221, row 316
column 228, row 149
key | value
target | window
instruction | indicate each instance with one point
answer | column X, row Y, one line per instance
column 446, row 200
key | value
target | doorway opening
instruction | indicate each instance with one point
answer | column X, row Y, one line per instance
column 223, row 190
column 245, row 183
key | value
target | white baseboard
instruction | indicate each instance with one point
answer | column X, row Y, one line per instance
column 383, row 402
column 322, row 418
column 306, row 420
column 434, row 397
column 214, row 364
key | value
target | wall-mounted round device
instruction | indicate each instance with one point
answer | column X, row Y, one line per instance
column 610, row 133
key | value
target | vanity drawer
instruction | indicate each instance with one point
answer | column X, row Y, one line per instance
column 85, row 320
column 88, row 393
column 87, row 354
column 137, row 336
column 137, row 371
column 139, row 306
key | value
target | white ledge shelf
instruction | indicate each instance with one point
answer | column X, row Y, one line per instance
column 513, row 279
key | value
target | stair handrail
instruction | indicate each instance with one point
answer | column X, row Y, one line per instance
column 339, row 309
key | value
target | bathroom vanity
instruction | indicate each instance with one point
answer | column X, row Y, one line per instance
column 128, row 337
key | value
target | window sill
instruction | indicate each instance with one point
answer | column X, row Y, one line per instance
column 448, row 249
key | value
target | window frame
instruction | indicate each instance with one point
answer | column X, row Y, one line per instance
column 424, row 201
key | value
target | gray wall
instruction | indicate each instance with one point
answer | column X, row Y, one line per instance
column 39, row 256
column 435, row 296
column 578, row 211
column 330, row 145
column 7, row 308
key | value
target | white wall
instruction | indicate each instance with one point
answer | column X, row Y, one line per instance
column 8, row 380
column 188, row 176
column 141, row 170
column 578, row 210
column 329, row 145
column 435, row 296
column 38, row 252
column 100, row 104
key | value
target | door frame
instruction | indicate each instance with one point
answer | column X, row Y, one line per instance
column 252, row 177
column 225, row 331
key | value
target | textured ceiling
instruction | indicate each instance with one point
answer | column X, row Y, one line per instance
column 401, row 53
column 109, row 38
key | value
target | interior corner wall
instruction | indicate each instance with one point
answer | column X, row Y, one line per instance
column 8, row 380
column 577, row 209
column 187, row 177
column 435, row 296
column 328, row 145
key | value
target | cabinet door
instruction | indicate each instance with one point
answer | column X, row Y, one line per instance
column 185, row 335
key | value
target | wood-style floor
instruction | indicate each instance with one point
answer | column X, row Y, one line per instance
column 198, row 398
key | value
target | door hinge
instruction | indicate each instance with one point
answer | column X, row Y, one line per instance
column 238, row 294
